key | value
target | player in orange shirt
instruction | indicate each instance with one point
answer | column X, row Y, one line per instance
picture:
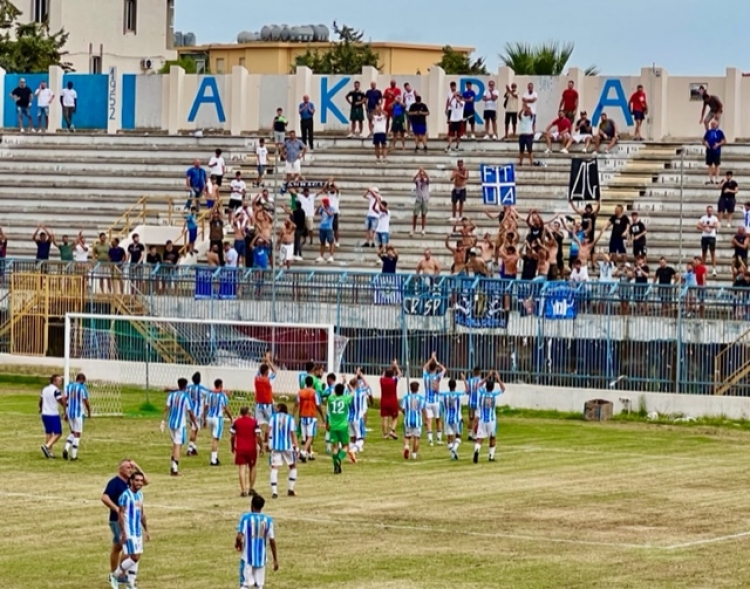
column 264, row 393
column 305, row 407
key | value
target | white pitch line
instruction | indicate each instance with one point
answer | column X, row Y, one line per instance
column 312, row 520
column 727, row 538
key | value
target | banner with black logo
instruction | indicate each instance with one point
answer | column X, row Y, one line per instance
column 584, row 180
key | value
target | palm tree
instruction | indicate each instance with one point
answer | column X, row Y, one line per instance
column 545, row 59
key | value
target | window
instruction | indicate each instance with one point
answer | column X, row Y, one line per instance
column 95, row 64
column 220, row 65
column 131, row 15
column 40, row 10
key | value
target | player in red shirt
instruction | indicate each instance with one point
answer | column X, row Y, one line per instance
column 561, row 134
column 389, row 98
column 639, row 109
column 246, row 444
column 569, row 102
column 389, row 400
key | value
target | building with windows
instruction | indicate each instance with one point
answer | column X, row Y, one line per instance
column 133, row 35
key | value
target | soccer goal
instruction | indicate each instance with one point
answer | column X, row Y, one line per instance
column 141, row 356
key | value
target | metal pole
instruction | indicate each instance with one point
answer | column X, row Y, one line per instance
column 682, row 198
column 273, row 236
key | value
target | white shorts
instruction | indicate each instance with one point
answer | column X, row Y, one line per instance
column 216, row 425
column 263, row 412
column 557, row 136
column 254, row 577
column 292, row 167
column 280, row 458
column 432, row 410
column 198, row 420
column 486, row 430
column 177, row 435
column 76, row 425
column 357, row 429
column 581, row 137
column 286, row 252
column 412, row 432
column 308, row 427
column 451, row 429
column 133, row 545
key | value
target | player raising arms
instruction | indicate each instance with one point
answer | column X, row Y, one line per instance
column 213, row 417
column 132, row 521
column 432, row 373
column 305, row 407
column 178, row 410
column 487, row 416
column 198, row 394
column 338, row 425
column 451, row 405
column 281, row 438
column 76, row 400
column 389, row 400
column 472, row 389
column 264, row 392
column 254, row 531
column 413, row 408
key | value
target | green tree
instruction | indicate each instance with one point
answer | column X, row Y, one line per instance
column 348, row 55
column 544, row 59
column 460, row 64
column 186, row 62
column 32, row 47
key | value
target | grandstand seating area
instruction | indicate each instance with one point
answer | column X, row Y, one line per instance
column 80, row 182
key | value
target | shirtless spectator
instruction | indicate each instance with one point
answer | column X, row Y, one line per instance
column 428, row 265
column 421, row 199
column 286, row 243
column 543, row 264
column 560, row 134
column 585, row 248
column 459, row 177
column 212, row 256
column 475, row 265
column 459, row 254
column 588, row 219
column 487, row 251
column 552, row 247
column 263, row 225
column 509, row 257
column 714, row 106
column 239, row 241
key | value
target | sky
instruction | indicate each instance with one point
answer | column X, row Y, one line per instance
column 619, row 37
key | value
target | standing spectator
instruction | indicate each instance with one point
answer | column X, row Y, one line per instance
column 196, row 184
column 490, row 98
column 300, row 229
column 44, row 97
column 569, row 102
column 81, row 249
column 261, row 159
column 409, row 97
column 708, row 225
column 418, row 113
column 510, row 104
column 279, row 129
column 526, row 135
column 583, row 131
column 728, row 198
column 664, row 277
column 3, row 252
column 326, row 231
column 714, row 106
column 421, row 199
column 389, row 259
column 713, row 140
column 383, row 230
column 169, row 260
column 136, row 255
column 217, row 167
column 246, row 444
column 43, row 239
column 380, row 137
column 562, row 126
column 373, row 96
column 459, row 177
column 293, row 151
column 637, row 235
column 191, row 229
column 530, row 99
column 306, row 123
column 618, row 223
column 116, row 257
column 216, row 233
column 69, row 102
column 153, row 257
column 65, row 248
column 746, row 217
column 356, row 99
column 389, row 98
column 334, row 195
column 469, row 97
column 579, row 273
column 371, row 221
column 231, row 257
column 701, row 281
column 21, row 95
column 639, row 109
column 740, row 243
column 607, row 132
column 307, row 201
column 398, row 123
column 454, row 107
column 101, row 256
column 237, row 192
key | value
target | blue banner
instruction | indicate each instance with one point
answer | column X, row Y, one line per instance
column 482, row 307
column 560, row 302
column 425, row 297
column 387, row 289
column 498, row 185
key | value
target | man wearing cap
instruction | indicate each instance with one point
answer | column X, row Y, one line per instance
column 22, row 97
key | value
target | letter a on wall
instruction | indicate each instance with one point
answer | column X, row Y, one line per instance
column 619, row 100
column 202, row 96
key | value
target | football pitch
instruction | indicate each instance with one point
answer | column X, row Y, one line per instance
column 568, row 504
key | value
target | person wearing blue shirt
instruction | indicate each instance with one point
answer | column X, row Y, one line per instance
column 469, row 97
column 487, row 422
column 451, row 407
column 198, row 394
column 178, row 409
column 191, row 227
column 413, row 407
column 713, row 140
column 76, row 400
column 42, row 238
column 327, row 213
column 261, row 252
column 196, row 183
column 373, row 97
column 306, row 114
column 254, row 532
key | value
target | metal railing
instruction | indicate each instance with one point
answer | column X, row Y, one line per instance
column 144, row 212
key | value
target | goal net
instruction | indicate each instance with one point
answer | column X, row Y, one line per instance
column 129, row 360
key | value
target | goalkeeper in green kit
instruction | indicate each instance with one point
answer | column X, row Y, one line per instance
column 338, row 426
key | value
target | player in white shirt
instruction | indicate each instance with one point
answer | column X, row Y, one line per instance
column 530, row 99
column 237, row 192
column 261, row 156
column 708, row 225
column 454, row 107
column 490, row 98
column 217, row 167
column 44, row 97
column 379, row 134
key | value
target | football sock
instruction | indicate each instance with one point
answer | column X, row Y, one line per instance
column 175, row 465
column 492, row 452
column 413, row 455
column 125, row 566
column 477, row 447
column 341, row 454
column 214, row 456
column 274, row 481
column 76, row 442
column 132, row 574
column 69, row 442
column 429, row 436
column 440, row 436
column 292, row 478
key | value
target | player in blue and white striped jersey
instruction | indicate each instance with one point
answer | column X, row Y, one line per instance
column 451, row 405
column 413, row 407
column 76, row 401
column 432, row 373
column 254, row 532
column 198, row 394
column 134, row 529
column 472, row 389
column 214, row 410
column 486, row 413
column 361, row 394
column 178, row 410
column 281, row 439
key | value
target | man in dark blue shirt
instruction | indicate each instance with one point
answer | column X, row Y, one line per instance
column 389, row 259
column 196, row 183
column 306, row 114
column 43, row 239
column 373, row 96
column 469, row 97
column 713, row 140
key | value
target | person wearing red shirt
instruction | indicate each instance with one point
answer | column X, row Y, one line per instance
column 389, row 400
column 701, row 272
column 562, row 126
column 246, row 444
column 569, row 102
column 264, row 392
column 389, row 98
column 638, row 108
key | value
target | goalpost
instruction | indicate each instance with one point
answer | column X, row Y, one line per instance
column 141, row 356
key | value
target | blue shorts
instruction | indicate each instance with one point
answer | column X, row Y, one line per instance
column 371, row 223
column 326, row 236
column 261, row 170
column 52, row 424
column 382, row 238
column 43, row 111
column 116, row 532
column 239, row 247
column 638, row 115
column 379, row 139
column 192, row 235
column 617, row 245
column 419, row 129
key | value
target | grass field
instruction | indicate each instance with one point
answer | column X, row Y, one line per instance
column 568, row 504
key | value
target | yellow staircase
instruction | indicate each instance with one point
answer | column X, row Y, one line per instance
column 739, row 349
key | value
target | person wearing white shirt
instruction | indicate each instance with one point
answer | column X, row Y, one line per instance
column 606, row 269
column 44, row 97
column 579, row 273
column 373, row 215
column 69, row 102
column 217, row 167
column 525, row 135
column 50, row 402
column 530, row 99
column 230, row 256
column 490, row 98
column 81, row 250
column 261, row 155
column 454, row 107
column 379, row 134
column 708, row 225
column 409, row 97
column 238, row 190
column 307, row 201
column 383, row 228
